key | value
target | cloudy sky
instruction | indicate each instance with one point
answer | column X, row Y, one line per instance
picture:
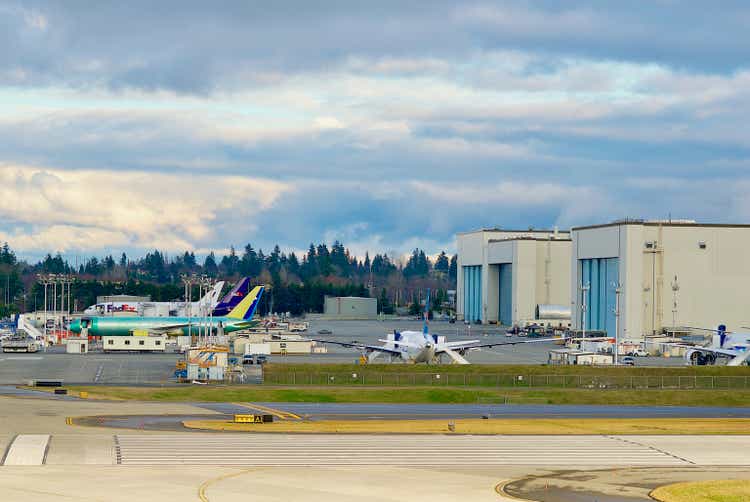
column 388, row 125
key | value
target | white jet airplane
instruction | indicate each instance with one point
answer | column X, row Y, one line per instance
column 724, row 345
column 205, row 304
column 422, row 347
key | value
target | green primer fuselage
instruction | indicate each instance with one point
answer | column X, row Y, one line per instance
column 125, row 326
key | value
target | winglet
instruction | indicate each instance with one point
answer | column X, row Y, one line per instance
column 246, row 308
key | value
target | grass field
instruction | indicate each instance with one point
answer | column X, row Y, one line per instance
column 493, row 426
column 705, row 491
column 622, row 377
column 272, row 369
column 336, row 394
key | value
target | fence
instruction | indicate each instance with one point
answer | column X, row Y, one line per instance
column 512, row 381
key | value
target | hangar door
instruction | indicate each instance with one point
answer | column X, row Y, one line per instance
column 602, row 275
column 472, row 293
column 505, row 293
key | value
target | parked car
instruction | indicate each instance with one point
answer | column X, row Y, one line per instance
column 638, row 353
column 628, row 361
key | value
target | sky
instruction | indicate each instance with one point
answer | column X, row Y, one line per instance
column 141, row 125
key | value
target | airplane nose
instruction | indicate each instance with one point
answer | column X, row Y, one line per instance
column 75, row 326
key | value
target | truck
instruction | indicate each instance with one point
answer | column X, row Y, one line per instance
column 20, row 342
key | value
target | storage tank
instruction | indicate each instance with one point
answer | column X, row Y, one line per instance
column 553, row 312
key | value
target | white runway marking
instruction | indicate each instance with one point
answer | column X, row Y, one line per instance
column 27, row 449
column 322, row 450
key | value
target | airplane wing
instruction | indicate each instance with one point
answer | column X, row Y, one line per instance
column 360, row 346
column 487, row 345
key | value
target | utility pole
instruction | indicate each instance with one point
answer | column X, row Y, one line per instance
column 618, row 290
column 675, row 289
column 584, row 307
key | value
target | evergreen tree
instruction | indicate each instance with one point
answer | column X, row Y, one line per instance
column 209, row 265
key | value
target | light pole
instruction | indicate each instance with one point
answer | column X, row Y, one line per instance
column 584, row 307
column 675, row 289
column 618, row 290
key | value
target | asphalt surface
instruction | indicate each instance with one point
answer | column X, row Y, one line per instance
column 344, row 411
column 320, row 411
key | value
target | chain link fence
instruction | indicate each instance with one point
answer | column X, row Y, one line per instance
column 506, row 380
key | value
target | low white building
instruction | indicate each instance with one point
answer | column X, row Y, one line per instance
column 350, row 307
column 150, row 343
column 77, row 345
column 660, row 274
column 504, row 275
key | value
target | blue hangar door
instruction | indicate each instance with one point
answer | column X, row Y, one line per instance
column 505, row 293
column 472, row 293
column 602, row 275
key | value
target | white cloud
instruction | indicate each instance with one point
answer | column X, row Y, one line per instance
column 95, row 209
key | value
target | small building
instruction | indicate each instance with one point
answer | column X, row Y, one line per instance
column 350, row 307
column 505, row 276
column 77, row 345
column 658, row 275
column 149, row 343
column 578, row 357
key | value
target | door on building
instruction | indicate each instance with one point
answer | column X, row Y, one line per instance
column 505, row 294
column 601, row 275
column 472, row 292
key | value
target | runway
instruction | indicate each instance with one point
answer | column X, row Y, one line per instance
column 404, row 450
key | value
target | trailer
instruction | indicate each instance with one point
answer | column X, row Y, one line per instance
column 134, row 343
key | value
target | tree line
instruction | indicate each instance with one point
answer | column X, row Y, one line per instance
column 297, row 283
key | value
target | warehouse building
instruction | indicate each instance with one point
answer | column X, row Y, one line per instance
column 505, row 275
column 661, row 274
column 350, row 307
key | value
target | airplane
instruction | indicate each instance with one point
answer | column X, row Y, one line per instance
column 724, row 345
column 239, row 318
column 210, row 300
column 232, row 298
column 423, row 347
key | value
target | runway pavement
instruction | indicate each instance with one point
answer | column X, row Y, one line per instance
column 401, row 450
column 100, row 448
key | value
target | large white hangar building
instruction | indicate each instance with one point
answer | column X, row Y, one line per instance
column 669, row 274
column 503, row 275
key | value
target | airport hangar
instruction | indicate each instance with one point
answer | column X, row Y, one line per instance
column 503, row 275
column 669, row 274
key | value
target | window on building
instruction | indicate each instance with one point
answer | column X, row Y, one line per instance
column 158, row 342
column 127, row 342
column 110, row 342
column 141, row 342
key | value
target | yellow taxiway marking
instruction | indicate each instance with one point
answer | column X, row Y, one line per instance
column 283, row 415
column 204, row 486
column 500, row 490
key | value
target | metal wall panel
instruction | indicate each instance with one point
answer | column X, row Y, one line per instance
column 506, row 294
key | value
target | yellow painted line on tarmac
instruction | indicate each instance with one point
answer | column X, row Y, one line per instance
column 283, row 415
column 204, row 486
column 500, row 490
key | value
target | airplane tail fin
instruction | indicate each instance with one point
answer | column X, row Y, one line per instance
column 246, row 308
column 425, row 326
column 212, row 297
column 233, row 298
column 722, row 330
